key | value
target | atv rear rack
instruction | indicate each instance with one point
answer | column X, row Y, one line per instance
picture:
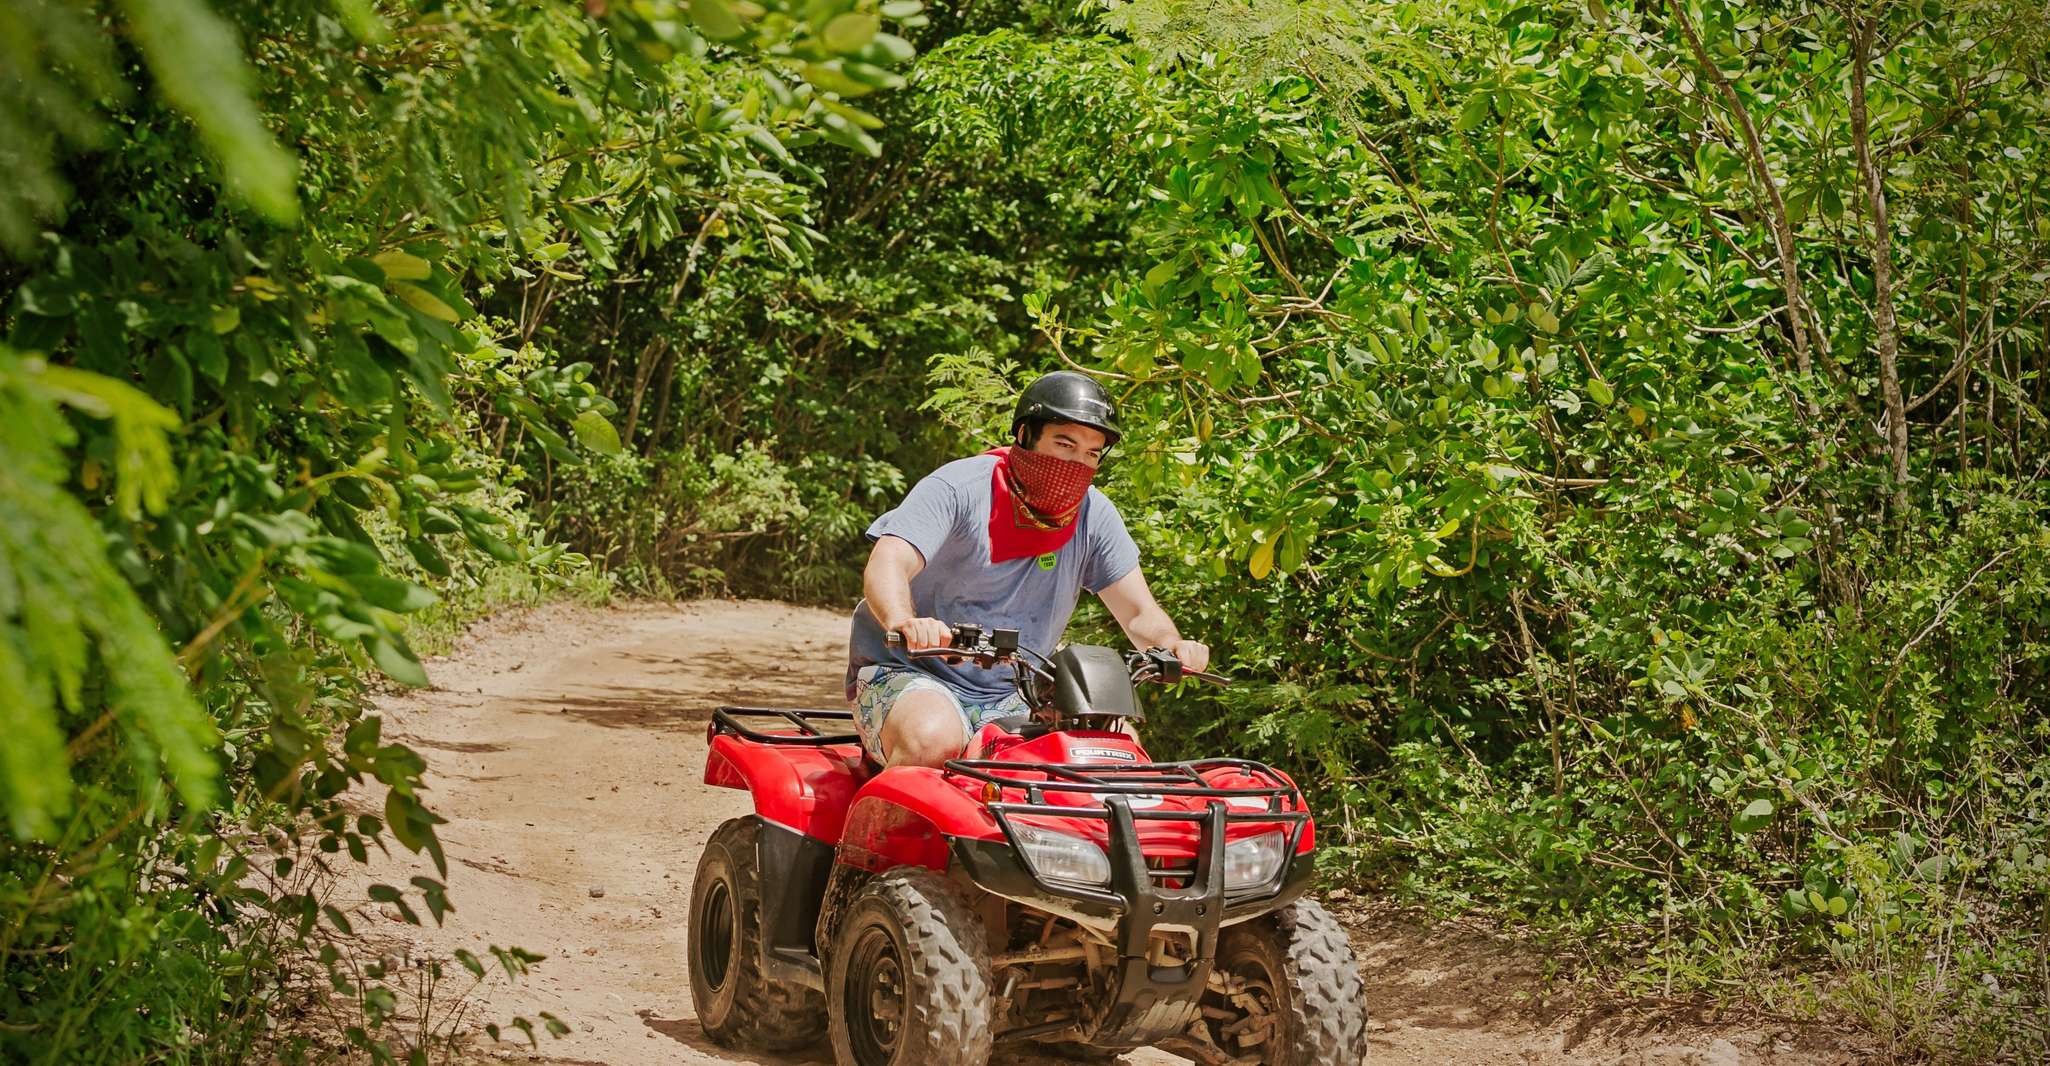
column 727, row 720
column 1183, row 779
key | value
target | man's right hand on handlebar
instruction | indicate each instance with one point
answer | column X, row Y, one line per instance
column 921, row 634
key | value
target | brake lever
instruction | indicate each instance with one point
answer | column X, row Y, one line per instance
column 1167, row 667
column 1159, row 664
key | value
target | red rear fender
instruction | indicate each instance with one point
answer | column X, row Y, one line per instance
column 799, row 786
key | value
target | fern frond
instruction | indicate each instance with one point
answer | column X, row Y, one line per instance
column 65, row 611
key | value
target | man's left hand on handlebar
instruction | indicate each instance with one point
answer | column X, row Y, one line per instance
column 1194, row 654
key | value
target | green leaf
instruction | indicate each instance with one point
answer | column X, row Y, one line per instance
column 396, row 660
column 1473, row 114
column 717, row 19
column 1262, row 560
column 873, row 76
column 1600, row 392
column 889, row 48
column 1755, row 815
column 361, row 18
column 198, row 66
column 393, row 594
column 849, row 32
column 35, row 773
column 595, row 432
column 830, row 77
column 490, row 544
column 1289, row 556
column 402, row 266
column 425, row 302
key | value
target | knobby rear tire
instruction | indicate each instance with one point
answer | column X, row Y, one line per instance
column 921, row 930
column 738, row 1005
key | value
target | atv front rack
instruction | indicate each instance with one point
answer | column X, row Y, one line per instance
column 1140, row 886
column 727, row 720
column 1179, row 779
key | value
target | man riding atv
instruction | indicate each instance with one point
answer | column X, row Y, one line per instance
column 1057, row 887
column 1010, row 538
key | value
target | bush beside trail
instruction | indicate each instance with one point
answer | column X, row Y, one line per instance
column 270, row 387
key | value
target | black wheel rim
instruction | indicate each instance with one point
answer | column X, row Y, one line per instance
column 715, row 935
column 1255, row 1020
column 873, row 997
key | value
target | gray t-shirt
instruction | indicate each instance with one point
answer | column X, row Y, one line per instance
column 946, row 517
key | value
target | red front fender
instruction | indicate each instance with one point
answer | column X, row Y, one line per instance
column 904, row 817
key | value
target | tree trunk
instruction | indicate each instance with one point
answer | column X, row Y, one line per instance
column 1776, row 207
column 657, row 349
column 1886, row 328
column 664, row 385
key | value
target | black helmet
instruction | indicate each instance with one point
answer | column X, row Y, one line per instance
column 1065, row 396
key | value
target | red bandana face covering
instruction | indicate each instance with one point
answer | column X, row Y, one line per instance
column 1034, row 500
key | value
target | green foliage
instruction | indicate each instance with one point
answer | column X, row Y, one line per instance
column 772, row 407
column 248, row 437
column 199, row 68
column 75, row 636
column 1614, row 432
column 1466, row 402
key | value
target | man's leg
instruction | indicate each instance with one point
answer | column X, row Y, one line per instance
column 923, row 728
column 907, row 719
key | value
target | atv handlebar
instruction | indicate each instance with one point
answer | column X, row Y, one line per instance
column 994, row 646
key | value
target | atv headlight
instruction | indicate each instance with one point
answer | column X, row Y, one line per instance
column 1058, row 856
column 1254, row 861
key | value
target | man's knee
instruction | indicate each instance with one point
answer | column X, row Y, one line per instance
column 923, row 729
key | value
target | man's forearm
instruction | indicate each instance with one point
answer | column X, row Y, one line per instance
column 889, row 596
column 1153, row 629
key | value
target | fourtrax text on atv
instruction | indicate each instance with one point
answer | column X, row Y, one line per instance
column 1061, row 888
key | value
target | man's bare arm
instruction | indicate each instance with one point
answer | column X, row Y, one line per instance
column 886, row 582
column 1146, row 625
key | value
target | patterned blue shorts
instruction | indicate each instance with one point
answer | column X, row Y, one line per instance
column 876, row 689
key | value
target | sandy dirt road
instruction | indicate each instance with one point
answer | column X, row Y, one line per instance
column 567, row 746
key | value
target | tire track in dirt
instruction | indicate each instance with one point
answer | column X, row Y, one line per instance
column 566, row 748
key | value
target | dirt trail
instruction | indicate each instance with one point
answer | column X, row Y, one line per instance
column 567, row 750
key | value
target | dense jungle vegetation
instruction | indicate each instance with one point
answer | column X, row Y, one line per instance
column 1612, row 433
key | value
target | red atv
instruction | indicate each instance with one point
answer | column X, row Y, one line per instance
column 1063, row 888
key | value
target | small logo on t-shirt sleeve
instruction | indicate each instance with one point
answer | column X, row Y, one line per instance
column 1048, row 561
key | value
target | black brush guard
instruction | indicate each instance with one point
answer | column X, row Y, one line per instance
column 1150, row 1002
